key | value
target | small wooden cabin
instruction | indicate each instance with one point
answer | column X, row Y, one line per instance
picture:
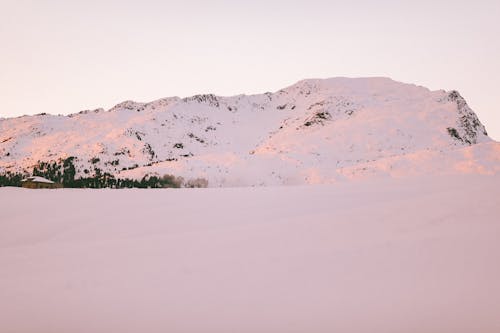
column 39, row 182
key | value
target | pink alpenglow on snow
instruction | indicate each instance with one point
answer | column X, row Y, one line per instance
column 399, row 233
column 403, row 255
column 313, row 132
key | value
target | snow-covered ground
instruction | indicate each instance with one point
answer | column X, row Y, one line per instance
column 414, row 255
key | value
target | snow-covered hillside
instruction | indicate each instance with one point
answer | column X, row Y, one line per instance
column 315, row 131
column 399, row 255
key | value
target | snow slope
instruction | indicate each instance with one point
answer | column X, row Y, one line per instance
column 315, row 131
column 415, row 255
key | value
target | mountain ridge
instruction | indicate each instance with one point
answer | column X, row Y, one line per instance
column 314, row 131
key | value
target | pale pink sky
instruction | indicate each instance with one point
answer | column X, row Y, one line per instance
column 66, row 56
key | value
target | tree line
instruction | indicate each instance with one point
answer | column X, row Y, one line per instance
column 64, row 172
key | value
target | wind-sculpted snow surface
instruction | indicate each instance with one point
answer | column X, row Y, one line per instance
column 409, row 255
column 316, row 131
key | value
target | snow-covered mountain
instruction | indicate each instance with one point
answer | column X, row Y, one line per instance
column 315, row 131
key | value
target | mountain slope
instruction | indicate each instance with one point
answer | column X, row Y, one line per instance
column 315, row 131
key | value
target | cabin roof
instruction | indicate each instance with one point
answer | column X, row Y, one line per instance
column 38, row 179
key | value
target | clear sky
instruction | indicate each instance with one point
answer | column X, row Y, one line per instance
column 63, row 56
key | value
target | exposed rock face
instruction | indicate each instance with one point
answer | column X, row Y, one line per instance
column 468, row 125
